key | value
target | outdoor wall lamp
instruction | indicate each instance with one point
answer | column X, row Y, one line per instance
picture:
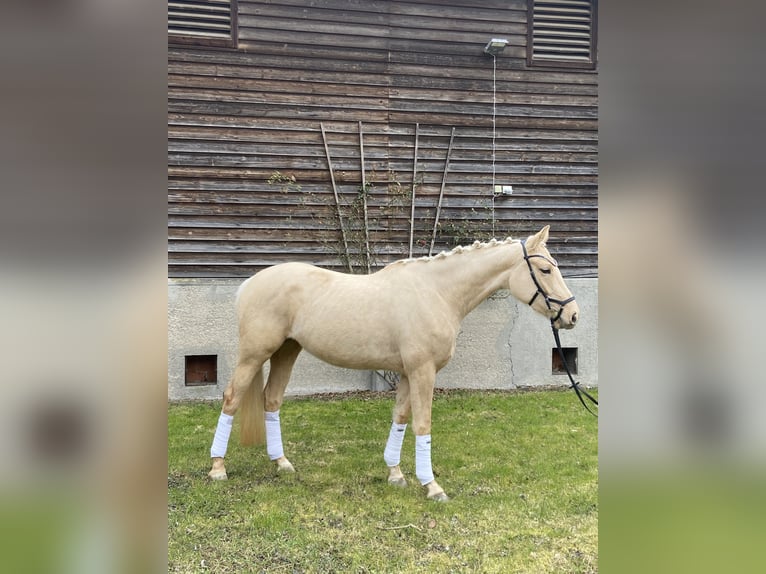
column 495, row 46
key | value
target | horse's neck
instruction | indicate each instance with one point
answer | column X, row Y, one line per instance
column 466, row 279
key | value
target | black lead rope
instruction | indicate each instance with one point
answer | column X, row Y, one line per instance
column 576, row 386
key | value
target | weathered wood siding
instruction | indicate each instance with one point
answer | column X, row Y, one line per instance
column 249, row 184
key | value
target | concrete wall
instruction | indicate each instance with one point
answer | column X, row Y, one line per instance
column 502, row 344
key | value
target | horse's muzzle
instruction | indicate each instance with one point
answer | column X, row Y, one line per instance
column 568, row 317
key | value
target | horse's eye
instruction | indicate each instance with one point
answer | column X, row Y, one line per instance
column 546, row 271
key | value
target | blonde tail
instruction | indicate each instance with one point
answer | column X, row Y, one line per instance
column 252, row 426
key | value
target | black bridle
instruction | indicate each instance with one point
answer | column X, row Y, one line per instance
column 548, row 300
column 540, row 290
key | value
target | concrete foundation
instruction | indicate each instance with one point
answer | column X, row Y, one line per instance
column 502, row 344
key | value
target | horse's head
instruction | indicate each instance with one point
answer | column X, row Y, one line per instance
column 537, row 280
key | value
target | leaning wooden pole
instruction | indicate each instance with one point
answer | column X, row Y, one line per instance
column 367, row 255
column 337, row 199
column 414, row 175
column 441, row 191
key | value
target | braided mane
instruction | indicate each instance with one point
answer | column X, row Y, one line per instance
column 457, row 250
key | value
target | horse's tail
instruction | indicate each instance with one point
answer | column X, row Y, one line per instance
column 252, row 426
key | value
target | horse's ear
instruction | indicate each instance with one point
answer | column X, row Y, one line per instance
column 539, row 238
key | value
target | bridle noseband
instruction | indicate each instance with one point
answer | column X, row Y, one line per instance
column 548, row 300
column 540, row 290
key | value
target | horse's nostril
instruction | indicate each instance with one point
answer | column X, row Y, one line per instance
column 574, row 317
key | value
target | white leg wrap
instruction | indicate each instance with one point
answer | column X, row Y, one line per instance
column 273, row 436
column 222, row 433
column 423, row 469
column 392, row 454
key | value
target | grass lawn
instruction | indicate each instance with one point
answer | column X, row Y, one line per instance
column 520, row 469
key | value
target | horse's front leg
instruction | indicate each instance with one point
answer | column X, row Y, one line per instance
column 392, row 454
column 421, row 396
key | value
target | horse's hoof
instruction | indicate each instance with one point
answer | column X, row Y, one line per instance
column 398, row 482
column 435, row 492
column 284, row 465
column 395, row 477
column 217, row 475
column 438, row 497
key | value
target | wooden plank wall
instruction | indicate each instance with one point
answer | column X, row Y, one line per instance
column 249, row 184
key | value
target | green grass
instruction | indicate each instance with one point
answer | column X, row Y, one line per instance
column 520, row 469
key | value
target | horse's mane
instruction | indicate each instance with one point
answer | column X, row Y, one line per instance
column 459, row 249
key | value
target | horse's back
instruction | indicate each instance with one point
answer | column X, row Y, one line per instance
column 282, row 276
column 274, row 290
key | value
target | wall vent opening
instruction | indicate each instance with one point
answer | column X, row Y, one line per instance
column 570, row 354
column 562, row 33
column 204, row 22
column 201, row 370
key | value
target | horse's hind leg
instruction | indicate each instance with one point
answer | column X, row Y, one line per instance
column 393, row 452
column 279, row 375
column 247, row 374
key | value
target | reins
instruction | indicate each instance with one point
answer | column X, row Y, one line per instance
column 548, row 300
column 576, row 386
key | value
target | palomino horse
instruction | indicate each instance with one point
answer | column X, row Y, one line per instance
column 404, row 318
